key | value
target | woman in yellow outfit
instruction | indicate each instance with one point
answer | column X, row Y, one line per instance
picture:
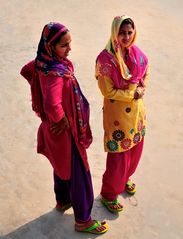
column 122, row 71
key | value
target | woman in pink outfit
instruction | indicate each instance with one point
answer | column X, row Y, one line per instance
column 64, row 133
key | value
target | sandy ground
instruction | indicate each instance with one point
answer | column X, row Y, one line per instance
column 26, row 186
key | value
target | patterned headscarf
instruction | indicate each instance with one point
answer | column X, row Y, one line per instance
column 50, row 64
column 46, row 60
column 113, row 46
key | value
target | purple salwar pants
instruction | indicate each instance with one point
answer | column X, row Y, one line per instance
column 78, row 190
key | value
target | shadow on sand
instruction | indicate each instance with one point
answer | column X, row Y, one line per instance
column 58, row 225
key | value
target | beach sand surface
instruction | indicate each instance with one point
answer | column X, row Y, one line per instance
column 26, row 184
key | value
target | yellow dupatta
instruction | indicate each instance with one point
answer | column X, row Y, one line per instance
column 113, row 46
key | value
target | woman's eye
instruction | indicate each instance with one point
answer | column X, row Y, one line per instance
column 122, row 33
column 62, row 46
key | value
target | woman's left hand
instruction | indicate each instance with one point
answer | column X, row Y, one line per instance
column 57, row 128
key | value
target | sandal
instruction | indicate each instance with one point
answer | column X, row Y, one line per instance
column 112, row 206
column 63, row 207
column 130, row 187
column 95, row 228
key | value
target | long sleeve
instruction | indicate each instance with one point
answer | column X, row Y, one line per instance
column 28, row 71
column 147, row 75
column 106, row 73
column 108, row 90
column 53, row 98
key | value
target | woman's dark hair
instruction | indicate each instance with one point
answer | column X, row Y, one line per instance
column 57, row 39
column 128, row 21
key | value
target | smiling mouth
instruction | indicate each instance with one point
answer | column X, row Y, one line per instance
column 125, row 42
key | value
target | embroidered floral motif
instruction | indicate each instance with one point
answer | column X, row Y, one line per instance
column 47, row 30
column 78, row 106
column 50, row 25
column 143, row 132
column 80, row 121
column 105, row 69
column 132, row 131
column 117, row 18
column 76, row 89
column 116, row 123
column 118, row 135
column 114, row 61
column 136, row 138
column 141, row 60
column 140, row 125
column 134, row 60
column 112, row 145
column 126, row 143
column 116, row 45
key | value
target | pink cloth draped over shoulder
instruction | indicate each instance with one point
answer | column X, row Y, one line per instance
column 136, row 62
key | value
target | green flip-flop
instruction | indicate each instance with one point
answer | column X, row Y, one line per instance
column 130, row 187
column 92, row 228
column 108, row 205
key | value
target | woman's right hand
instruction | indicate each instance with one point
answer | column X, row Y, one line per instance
column 57, row 128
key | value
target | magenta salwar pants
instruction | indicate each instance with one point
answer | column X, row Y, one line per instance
column 119, row 167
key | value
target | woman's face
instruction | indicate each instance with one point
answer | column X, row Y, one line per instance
column 126, row 35
column 63, row 47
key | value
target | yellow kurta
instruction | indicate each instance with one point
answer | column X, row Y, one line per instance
column 124, row 118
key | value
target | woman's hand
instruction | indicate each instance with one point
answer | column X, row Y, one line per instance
column 57, row 128
column 139, row 92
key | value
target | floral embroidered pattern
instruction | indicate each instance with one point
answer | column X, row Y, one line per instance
column 76, row 89
column 114, row 61
column 141, row 60
column 126, row 143
column 143, row 132
column 136, row 138
column 118, row 135
column 132, row 131
column 116, row 123
column 78, row 106
column 50, row 25
column 117, row 18
column 112, row 145
column 134, row 60
column 105, row 69
column 80, row 121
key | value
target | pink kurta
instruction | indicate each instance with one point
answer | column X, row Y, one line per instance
column 58, row 99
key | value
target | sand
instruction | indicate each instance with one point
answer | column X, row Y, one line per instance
column 26, row 186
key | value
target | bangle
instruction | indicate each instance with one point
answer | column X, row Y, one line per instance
column 136, row 95
column 139, row 91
